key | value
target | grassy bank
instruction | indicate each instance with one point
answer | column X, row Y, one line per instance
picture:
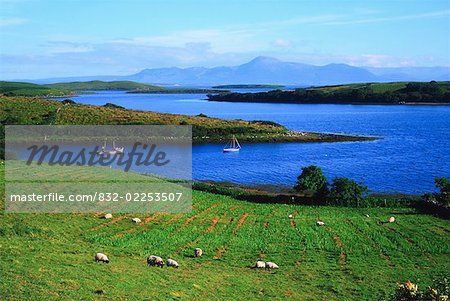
column 24, row 110
column 353, row 257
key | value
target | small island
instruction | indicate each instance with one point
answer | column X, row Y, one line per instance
column 249, row 86
column 369, row 93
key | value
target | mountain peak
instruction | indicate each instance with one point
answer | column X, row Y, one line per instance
column 264, row 60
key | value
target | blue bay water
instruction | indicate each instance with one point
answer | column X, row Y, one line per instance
column 414, row 149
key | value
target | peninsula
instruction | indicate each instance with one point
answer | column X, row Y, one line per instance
column 34, row 110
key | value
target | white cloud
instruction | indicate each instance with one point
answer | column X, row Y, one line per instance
column 12, row 21
column 283, row 43
column 386, row 19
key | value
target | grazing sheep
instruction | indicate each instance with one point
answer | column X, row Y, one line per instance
column 198, row 252
column 107, row 216
column 366, row 215
column 260, row 265
column 271, row 265
column 136, row 220
column 172, row 263
column 320, row 223
column 392, row 219
column 291, row 216
column 155, row 260
column 101, row 257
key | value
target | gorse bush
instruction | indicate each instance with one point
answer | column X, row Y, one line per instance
column 409, row 291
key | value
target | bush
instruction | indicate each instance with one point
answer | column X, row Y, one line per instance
column 346, row 192
column 409, row 291
column 312, row 180
column 443, row 197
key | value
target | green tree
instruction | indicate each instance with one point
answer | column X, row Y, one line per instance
column 312, row 180
column 346, row 192
column 443, row 197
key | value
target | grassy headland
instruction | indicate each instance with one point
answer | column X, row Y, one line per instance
column 28, row 89
column 26, row 110
column 369, row 93
column 352, row 257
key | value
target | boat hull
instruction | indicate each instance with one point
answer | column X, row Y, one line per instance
column 230, row 150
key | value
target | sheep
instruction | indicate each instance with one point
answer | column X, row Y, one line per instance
column 271, row 265
column 107, row 216
column 291, row 216
column 260, row 265
column 172, row 263
column 136, row 220
column 366, row 215
column 155, row 260
column 101, row 257
column 392, row 219
column 198, row 252
column 319, row 222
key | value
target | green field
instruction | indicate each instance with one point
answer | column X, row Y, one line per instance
column 51, row 256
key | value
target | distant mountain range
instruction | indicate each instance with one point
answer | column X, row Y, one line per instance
column 267, row 70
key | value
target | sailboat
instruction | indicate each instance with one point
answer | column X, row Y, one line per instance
column 113, row 151
column 232, row 146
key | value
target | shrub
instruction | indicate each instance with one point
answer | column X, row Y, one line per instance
column 312, row 180
column 443, row 197
column 409, row 291
column 346, row 192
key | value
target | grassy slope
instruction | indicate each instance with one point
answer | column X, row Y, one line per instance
column 28, row 89
column 50, row 256
column 20, row 110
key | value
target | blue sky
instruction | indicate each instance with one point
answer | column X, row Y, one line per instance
column 52, row 38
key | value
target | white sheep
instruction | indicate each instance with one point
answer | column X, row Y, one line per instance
column 366, row 215
column 172, row 263
column 155, row 260
column 107, row 216
column 260, row 265
column 101, row 257
column 136, row 220
column 320, row 223
column 271, row 265
column 392, row 219
column 291, row 216
column 198, row 252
